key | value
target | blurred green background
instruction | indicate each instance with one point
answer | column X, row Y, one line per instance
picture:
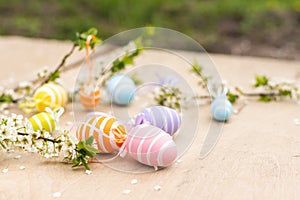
column 268, row 28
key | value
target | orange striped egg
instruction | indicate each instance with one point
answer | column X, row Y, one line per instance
column 50, row 95
column 108, row 133
column 89, row 99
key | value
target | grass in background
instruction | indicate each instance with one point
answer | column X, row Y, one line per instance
column 211, row 22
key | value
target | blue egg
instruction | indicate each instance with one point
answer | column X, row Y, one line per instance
column 121, row 89
column 221, row 109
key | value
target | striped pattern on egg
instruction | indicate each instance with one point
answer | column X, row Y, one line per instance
column 151, row 146
column 89, row 101
column 162, row 117
column 221, row 109
column 50, row 95
column 121, row 89
column 109, row 134
column 42, row 121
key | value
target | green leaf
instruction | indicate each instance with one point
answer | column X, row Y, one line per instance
column 136, row 80
column 91, row 151
column 90, row 140
column 285, row 93
column 150, row 31
column 80, row 145
column 6, row 98
column 75, row 162
column 81, row 38
column 265, row 98
column 53, row 76
column 85, row 164
column 138, row 43
column 232, row 97
column 92, row 31
column 197, row 69
column 261, row 81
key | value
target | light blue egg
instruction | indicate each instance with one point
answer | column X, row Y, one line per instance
column 221, row 109
column 121, row 89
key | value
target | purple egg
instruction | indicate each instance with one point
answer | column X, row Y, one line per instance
column 162, row 117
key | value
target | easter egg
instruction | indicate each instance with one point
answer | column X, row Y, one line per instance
column 42, row 121
column 89, row 98
column 162, row 117
column 50, row 95
column 121, row 89
column 221, row 109
column 151, row 146
column 109, row 134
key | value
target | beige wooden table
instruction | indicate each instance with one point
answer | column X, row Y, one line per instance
column 254, row 159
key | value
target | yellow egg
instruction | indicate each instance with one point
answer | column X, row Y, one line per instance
column 50, row 95
column 42, row 121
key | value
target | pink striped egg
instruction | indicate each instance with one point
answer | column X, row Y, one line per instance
column 109, row 134
column 151, row 146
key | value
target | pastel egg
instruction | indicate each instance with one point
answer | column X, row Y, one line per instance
column 151, row 146
column 89, row 99
column 162, row 117
column 43, row 121
column 221, row 109
column 50, row 95
column 121, row 89
column 109, row 134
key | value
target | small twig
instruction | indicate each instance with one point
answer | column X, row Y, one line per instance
column 41, row 138
column 73, row 65
column 272, row 94
column 256, row 94
column 62, row 63
column 202, row 97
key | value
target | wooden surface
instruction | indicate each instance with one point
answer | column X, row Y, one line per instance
column 254, row 159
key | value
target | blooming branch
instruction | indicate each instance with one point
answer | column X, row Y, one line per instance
column 17, row 133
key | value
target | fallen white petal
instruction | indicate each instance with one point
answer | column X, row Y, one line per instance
column 157, row 187
column 5, row 170
column 126, row 191
column 88, row 172
column 178, row 161
column 22, row 167
column 18, row 156
column 134, row 181
column 69, row 123
column 11, row 151
column 56, row 194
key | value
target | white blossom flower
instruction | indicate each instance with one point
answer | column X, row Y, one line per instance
column 14, row 133
column 47, row 156
column 5, row 170
column 24, row 84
